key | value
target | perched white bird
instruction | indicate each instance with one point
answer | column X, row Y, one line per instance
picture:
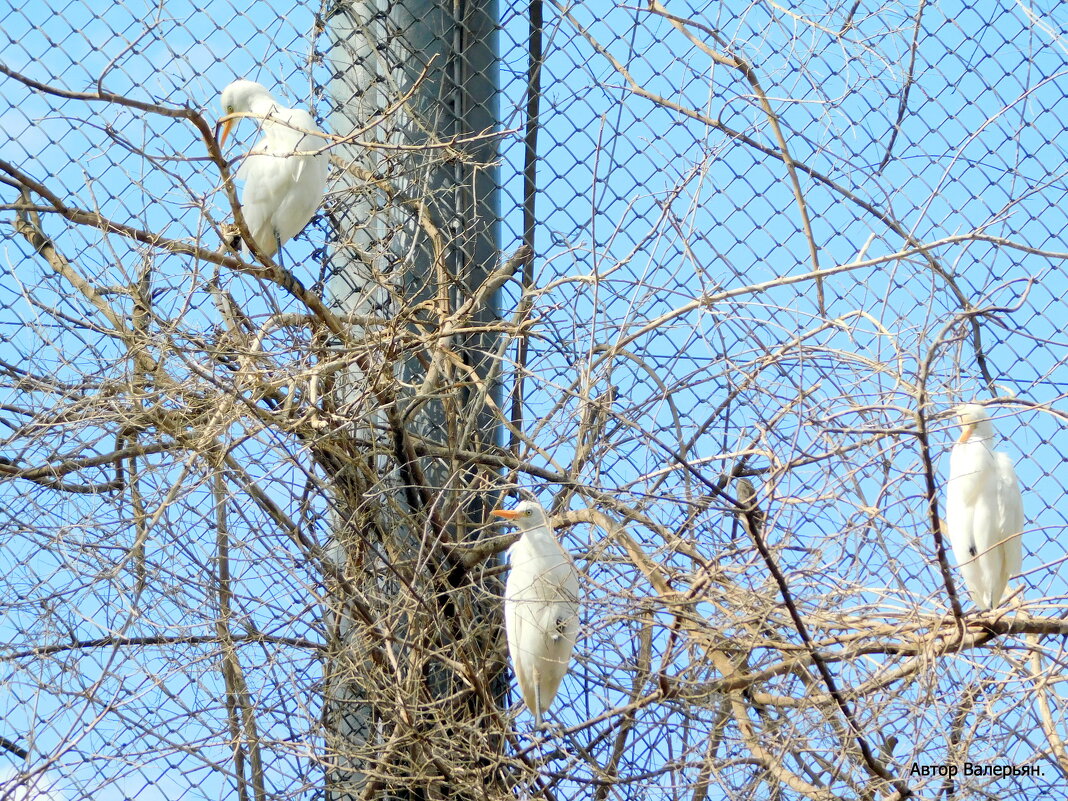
column 540, row 607
column 284, row 179
column 984, row 509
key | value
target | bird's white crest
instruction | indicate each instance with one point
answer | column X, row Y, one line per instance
column 984, row 509
column 540, row 607
column 284, row 176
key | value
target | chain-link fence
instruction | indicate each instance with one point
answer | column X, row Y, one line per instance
column 705, row 279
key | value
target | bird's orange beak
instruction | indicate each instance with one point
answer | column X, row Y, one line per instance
column 227, row 123
column 508, row 514
column 966, row 431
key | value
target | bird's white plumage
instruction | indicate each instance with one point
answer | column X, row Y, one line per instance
column 540, row 607
column 284, row 178
column 984, row 509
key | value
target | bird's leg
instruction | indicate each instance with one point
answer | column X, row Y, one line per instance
column 278, row 249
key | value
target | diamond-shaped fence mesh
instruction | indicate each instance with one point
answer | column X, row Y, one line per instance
column 705, row 279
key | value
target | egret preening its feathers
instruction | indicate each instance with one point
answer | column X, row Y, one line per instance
column 984, row 510
column 283, row 175
column 540, row 607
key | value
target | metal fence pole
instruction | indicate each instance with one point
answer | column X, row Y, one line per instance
column 416, row 221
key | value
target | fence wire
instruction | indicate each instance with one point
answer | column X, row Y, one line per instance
column 715, row 319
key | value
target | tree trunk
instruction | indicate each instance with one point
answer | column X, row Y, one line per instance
column 414, row 633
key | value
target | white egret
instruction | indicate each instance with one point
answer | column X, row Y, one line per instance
column 984, row 509
column 540, row 607
column 284, row 180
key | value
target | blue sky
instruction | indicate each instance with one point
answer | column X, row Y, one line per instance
column 665, row 208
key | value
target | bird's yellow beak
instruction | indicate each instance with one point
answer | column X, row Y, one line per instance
column 227, row 123
column 508, row 514
column 966, row 431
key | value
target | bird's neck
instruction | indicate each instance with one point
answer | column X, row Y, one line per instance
column 541, row 539
column 262, row 106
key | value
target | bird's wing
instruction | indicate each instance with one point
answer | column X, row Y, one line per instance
column 559, row 619
column 541, row 618
column 958, row 508
column 287, row 137
column 560, row 623
column 517, row 628
column 267, row 179
column 970, row 516
column 549, row 602
column 306, row 142
column 554, row 636
column 1011, row 514
column 303, row 171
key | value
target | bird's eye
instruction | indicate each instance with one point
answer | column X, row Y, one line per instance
column 229, row 109
column 529, row 513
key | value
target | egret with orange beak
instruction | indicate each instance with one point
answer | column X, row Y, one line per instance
column 984, row 509
column 540, row 607
column 284, row 176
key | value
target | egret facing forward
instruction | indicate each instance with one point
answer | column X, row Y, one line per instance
column 540, row 607
column 984, row 510
column 284, row 180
